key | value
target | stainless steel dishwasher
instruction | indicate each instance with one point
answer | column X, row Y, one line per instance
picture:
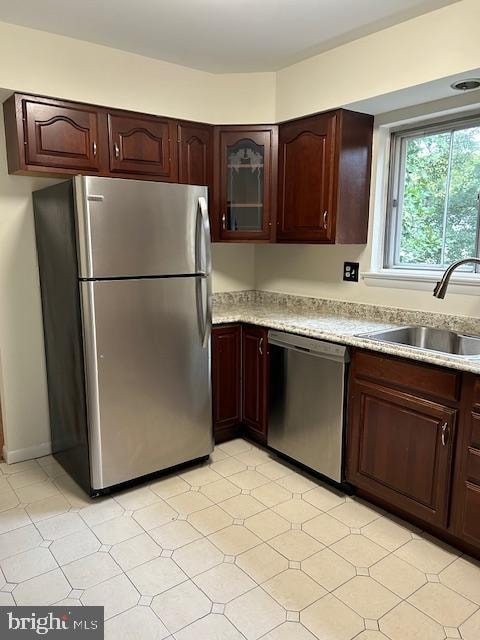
column 307, row 401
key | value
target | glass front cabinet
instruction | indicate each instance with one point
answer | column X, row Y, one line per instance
column 245, row 177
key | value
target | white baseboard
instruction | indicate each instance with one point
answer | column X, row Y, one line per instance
column 19, row 455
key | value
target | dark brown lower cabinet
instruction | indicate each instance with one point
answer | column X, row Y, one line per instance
column 400, row 449
column 466, row 495
column 226, row 362
column 239, row 381
column 401, row 434
column 413, row 433
column 255, row 381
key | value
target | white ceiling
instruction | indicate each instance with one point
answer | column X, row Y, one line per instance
column 216, row 35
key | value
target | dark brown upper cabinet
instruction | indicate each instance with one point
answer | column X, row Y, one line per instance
column 245, row 170
column 52, row 136
column 195, row 154
column 143, row 146
column 324, row 178
column 321, row 164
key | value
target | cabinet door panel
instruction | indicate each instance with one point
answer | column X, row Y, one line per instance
column 254, row 379
column 469, row 524
column 400, row 449
column 142, row 145
column 475, row 431
column 195, row 162
column 226, row 377
column 306, row 171
column 245, row 170
column 473, row 465
column 58, row 135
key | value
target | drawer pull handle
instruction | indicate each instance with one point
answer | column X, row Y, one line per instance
column 325, row 219
column 224, row 221
column 260, row 346
column 94, row 149
column 117, row 150
column 445, row 434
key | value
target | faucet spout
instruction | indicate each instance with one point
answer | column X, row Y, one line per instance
column 441, row 287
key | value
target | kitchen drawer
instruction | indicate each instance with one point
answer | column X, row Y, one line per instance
column 473, row 465
column 420, row 379
column 470, row 522
column 474, row 440
column 476, row 393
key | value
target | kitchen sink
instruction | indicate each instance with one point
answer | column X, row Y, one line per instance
column 440, row 340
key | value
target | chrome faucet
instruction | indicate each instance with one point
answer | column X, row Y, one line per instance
column 442, row 286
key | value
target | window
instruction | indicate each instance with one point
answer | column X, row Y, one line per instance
column 433, row 204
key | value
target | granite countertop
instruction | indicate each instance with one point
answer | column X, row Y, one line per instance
column 341, row 322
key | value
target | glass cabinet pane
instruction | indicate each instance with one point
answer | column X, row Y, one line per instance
column 245, row 186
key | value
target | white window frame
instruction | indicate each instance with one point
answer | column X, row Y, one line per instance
column 393, row 220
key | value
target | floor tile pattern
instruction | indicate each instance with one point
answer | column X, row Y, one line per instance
column 242, row 547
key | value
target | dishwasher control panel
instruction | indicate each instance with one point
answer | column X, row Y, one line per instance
column 312, row 345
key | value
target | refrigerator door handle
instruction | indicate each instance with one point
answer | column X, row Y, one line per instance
column 208, row 312
column 203, row 240
column 204, row 308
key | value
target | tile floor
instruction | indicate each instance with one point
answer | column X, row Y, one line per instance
column 242, row 547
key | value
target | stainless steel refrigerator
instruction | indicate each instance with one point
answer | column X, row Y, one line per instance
column 125, row 276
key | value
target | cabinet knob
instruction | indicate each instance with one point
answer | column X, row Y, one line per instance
column 445, row 433
column 117, row 150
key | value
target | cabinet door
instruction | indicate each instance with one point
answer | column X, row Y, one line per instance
column 306, row 174
column 468, row 524
column 255, row 380
column 226, row 365
column 143, row 146
column 245, row 177
column 400, row 450
column 195, row 154
column 61, row 135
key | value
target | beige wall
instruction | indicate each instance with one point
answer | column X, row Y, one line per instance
column 22, row 362
column 38, row 62
column 435, row 45
column 317, row 270
column 312, row 270
column 233, row 267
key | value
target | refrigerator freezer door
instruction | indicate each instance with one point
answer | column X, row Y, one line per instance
column 134, row 228
column 148, row 375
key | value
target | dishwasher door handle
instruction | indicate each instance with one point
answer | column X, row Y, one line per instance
column 337, row 355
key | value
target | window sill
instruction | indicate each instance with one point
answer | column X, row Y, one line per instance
column 464, row 283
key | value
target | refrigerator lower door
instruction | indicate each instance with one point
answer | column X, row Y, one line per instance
column 148, row 375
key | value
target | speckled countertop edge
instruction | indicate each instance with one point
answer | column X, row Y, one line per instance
column 341, row 322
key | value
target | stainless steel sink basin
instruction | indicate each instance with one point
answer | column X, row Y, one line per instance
column 440, row 340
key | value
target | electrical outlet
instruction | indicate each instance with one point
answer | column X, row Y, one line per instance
column 350, row 271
